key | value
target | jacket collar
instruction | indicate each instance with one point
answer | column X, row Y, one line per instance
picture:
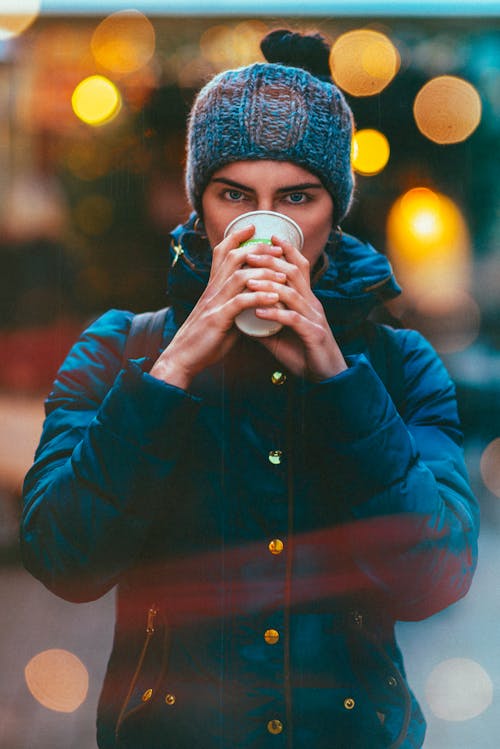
column 356, row 279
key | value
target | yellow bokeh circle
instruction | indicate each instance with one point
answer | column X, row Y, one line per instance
column 447, row 109
column 96, row 100
column 423, row 222
column 124, row 41
column 429, row 246
column 58, row 680
column 370, row 151
column 363, row 62
column 16, row 17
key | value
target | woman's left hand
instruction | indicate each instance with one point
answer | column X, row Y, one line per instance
column 306, row 345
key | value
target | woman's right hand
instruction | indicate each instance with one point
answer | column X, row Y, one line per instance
column 208, row 333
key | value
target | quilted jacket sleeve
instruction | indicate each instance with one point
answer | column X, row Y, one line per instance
column 414, row 523
column 100, row 469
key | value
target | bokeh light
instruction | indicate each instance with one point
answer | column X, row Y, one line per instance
column 363, row 62
column 370, row 151
column 58, row 680
column 233, row 46
column 490, row 467
column 458, row 689
column 447, row 109
column 429, row 243
column 124, row 41
column 96, row 100
column 429, row 246
column 34, row 207
column 16, row 17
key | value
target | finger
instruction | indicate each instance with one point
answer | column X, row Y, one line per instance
column 291, row 319
column 248, row 300
column 238, row 282
column 288, row 296
column 295, row 277
column 262, row 275
column 224, row 287
column 290, row 251
column 231, row 242
column 227, row 256
column 263, row 248
column 293, row 255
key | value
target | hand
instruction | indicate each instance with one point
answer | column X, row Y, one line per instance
column 305, row 345
column 208, row 333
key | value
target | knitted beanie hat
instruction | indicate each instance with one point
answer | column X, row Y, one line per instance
column 276, row 110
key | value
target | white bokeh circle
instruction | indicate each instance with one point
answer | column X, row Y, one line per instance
column 458, row 689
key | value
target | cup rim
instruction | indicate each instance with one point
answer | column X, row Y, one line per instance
column 285, row 218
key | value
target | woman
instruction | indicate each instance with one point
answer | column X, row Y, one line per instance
column 267, row 507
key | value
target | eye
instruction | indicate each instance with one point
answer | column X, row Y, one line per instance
column 297, row 197
column 233, row 194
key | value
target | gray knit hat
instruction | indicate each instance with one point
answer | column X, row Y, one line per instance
column 271, row 111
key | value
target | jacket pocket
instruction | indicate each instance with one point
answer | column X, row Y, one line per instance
column 150, row 668
column 382, row 680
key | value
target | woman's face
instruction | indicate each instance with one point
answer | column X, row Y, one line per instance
column 269, row 186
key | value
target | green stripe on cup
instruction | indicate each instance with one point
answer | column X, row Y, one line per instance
column 257, row 240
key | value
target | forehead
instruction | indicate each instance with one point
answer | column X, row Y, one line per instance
column 270, row 172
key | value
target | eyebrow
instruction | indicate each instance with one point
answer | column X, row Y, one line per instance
column 289, row 188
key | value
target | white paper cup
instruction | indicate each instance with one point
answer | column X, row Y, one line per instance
column 266, row 224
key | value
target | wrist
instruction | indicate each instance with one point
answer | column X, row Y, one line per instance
column 171, row 374
column 329, row 369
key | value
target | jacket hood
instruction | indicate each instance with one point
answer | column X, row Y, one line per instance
column 354, row 279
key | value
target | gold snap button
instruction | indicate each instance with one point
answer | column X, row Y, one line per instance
column 271, row 636
column 170, row 699
column 147, row 695
column 275, row 726
column 275, row 457
column 278, row 378
column 349, row 703
column 276, row 546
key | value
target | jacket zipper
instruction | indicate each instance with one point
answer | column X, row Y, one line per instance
column 152, row 612
column 179, row 252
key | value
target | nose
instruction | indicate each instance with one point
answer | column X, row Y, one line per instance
column 264, row 204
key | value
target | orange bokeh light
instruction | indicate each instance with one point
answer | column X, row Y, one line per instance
column 124, row 41
column 447, row 109
column 363, row 62
column 58, row 680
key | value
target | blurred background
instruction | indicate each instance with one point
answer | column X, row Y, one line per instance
column 93, row 102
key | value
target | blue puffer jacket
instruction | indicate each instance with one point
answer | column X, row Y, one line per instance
column 264, row 532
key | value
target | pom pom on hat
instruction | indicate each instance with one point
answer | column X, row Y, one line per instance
column 307, row 51
column 276, row 110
